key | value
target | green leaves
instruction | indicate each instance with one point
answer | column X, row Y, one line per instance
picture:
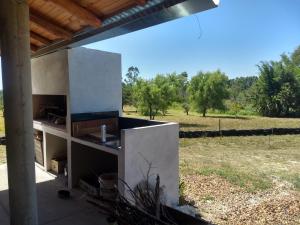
column 130, row 80
column 208, row 91
column 154, row 96
column 276, row 92
column 278, row 87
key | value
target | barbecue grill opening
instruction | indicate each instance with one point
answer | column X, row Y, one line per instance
column 50, row 109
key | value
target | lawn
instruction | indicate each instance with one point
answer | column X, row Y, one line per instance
column 249, row 162
column 243, row 180
column 195, row 121
column 2, row 154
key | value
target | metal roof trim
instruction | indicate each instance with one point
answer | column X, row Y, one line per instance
column 137, row 18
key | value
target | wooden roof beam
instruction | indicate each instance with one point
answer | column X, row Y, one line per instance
column 49, row 26
column 39, row 38
column 140, row 2
column 33, row 47
column 78, row 11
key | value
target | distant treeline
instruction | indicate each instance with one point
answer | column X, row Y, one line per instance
column 274, row 92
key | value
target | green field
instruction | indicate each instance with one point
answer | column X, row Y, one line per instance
column 195, row 121
column 258, row 175
column 249, row 162
column 245, row 161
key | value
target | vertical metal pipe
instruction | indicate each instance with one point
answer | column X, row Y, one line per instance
column 16, row 76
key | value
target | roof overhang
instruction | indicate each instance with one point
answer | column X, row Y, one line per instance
column 152, row 13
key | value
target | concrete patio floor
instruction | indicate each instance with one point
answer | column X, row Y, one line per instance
column 51, row 209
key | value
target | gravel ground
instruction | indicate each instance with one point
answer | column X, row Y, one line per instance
column 221, row 202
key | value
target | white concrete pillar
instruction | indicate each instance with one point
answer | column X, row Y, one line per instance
column 15, row 53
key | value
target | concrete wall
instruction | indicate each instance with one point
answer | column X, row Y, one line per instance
column 56, row 147
column 95, row 80
column 50, row 74
column 90, row 162
column 158, row 145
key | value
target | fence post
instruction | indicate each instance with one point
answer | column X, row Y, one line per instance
column 220, row 130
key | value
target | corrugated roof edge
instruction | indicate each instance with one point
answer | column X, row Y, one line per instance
column 137, row 18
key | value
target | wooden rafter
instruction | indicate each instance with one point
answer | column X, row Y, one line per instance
column 49, row 26
column 33, row 47
column 39, row 38
column 140, row 2
column 79, row 12
column 37, row 43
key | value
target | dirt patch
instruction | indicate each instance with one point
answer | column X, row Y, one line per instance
column 223, row 203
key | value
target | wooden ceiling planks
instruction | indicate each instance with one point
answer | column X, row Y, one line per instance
column 109, row 9
column 79, row 12
column 43, row 32
column 56, row 14
column 52, row 20
column 39, row 38
column 53, row 28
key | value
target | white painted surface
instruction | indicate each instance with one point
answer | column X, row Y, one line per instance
column 95, row 80
column 50, row 74
column 90, row 78
column 157, row 145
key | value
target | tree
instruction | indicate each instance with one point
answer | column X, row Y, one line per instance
column 167, row 91
column 130, row 80
column 154, row 96
column 148, row 95
column 186, row 107
column 240, row 93
column 208, row 91
column 181, row 83
column 295, row 57
column 278, row 88
column 132, row 75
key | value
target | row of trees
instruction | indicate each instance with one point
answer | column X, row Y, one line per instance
column 275, row 92
column 155, row 96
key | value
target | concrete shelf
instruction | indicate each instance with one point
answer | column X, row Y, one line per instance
column 100, row 147
column 58, row 130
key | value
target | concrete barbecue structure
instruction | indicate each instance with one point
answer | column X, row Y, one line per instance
column 89, row 83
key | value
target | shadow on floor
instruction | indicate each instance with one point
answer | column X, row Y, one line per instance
column 53, row 210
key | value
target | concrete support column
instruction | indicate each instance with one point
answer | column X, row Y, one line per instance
column 16, row 75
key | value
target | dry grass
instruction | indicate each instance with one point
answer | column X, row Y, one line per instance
column 195, row 121
column 243, row 180
column 2, row 128
column 2, row 154
column 249, row 162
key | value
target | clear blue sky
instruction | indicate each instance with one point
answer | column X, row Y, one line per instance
column 234, row 38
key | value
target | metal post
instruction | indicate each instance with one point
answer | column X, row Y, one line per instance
column 16, row 75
